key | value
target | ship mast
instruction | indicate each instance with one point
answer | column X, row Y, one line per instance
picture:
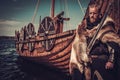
column 52, row 8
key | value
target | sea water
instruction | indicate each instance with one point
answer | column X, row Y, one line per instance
column 14, row 67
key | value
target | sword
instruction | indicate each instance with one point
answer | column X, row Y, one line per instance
column 100, row 25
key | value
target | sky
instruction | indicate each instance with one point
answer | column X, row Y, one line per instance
column 15, row 14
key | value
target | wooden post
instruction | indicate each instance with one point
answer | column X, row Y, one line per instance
column 52, row 8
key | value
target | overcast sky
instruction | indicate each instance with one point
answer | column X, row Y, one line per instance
column 14, row 14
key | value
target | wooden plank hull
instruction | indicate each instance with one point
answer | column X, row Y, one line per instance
column 57, row 57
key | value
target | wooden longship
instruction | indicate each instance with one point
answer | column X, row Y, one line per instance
column 51, row 46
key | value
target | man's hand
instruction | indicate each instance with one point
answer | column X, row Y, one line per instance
column 109, row 65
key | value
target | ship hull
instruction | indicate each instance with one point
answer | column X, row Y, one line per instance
column 59, row 55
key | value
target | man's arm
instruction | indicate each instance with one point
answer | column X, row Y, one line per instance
column 111, row 39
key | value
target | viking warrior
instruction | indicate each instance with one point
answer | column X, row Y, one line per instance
column 103, row 51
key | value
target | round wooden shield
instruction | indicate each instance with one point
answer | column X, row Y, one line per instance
column 30, row 29
column 47, row 28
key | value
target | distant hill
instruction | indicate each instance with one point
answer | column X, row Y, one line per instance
column 7, row 37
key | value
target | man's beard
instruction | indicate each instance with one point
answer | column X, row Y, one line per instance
column 92, row 20
column 90, row 24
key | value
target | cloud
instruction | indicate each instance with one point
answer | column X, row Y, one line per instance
column 8, row 27
column 9, row 22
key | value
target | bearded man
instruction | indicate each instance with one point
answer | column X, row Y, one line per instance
column 103, row 51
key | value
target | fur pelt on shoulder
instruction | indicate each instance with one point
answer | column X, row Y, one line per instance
column 107, row 33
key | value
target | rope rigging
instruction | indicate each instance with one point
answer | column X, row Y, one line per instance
column 65, row 8
column 35, row 12
column 81, row 7
column 67, row 14
column 61, row 2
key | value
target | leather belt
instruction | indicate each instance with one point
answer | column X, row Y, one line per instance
column 99, row 56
